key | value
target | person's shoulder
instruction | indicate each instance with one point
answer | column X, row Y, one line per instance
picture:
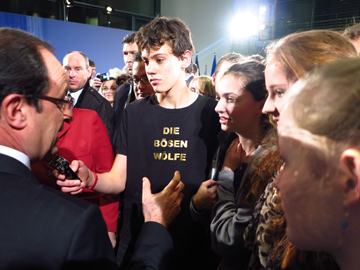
column 79, row 113
column 64, row 200
column 149, row 100
column 98, row 103
column 95, row 95
column 207, row 106
column 85, row 117
column 39, row 196
column 206, row 102
column 123, row 88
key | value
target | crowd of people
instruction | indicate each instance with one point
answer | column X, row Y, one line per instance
column 256, row 167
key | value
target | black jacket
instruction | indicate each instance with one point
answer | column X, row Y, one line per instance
column 123, row 95
column 91, row 99
column 42, row 228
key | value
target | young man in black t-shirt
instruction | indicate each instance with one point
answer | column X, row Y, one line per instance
column 173, row 129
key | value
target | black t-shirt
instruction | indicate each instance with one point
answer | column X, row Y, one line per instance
column 157, row 142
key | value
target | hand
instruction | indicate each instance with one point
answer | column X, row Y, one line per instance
column 206, row 196
column 96, row 83
column 234, row 156
column 74, row 186
column 164, row 206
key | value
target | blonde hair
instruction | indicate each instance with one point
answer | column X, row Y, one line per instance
column 328, row 103
column 205, row 84
column 299, row 53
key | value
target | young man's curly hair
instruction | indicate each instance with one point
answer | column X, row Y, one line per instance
column 161, row 30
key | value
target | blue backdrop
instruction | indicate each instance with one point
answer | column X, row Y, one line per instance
column 100, row 44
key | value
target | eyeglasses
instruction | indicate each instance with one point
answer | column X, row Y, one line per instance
column 67, row 103
column 143, row 79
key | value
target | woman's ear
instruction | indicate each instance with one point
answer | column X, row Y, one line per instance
column 186, row 59
column 13, row 109
column 350, row 166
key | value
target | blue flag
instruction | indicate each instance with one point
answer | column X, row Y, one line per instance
column 197, row 63
column 214, row 65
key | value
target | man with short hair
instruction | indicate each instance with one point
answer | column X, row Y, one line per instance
column 129, row 50
column 78, row 71
column 93, row 68
column 41, row 228
column 125, row 92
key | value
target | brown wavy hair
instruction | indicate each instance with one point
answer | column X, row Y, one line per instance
column 161, row 30
column 263, row 168
column 298, row 54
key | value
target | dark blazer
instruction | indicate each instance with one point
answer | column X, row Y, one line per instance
column 91, row 99
column 121, row 96
column 42, row 228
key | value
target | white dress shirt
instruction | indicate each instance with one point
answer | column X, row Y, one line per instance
column 76, row 94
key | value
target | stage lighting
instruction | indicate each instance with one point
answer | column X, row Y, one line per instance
column 244, row 25
column 68, row 3
column 108, row 9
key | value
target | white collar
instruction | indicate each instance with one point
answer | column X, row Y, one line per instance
column 76, row 94
column 24, row 159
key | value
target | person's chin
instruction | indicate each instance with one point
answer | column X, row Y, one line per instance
column 142, row 95
column 226, row 128
column 52, row 152
column 75, row 87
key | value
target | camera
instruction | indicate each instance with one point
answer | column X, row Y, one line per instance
column 62, row 166
column 103, row 77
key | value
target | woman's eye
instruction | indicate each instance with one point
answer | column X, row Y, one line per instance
column 217, row 98
column 279, row 93
column 230, row 100
column 160, row 60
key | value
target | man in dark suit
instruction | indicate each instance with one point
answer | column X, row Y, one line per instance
column 78, row 71
column 42, row 228
column 125, row 92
